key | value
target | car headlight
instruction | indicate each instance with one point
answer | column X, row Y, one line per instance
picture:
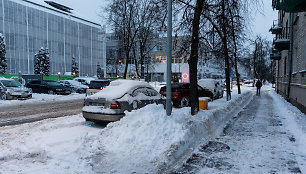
column 9, row 91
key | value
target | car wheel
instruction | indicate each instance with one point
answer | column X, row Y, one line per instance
column 51, row 92
column 184, row 102
column 3, row 97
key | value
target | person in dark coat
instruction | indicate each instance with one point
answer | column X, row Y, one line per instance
column 258, row 86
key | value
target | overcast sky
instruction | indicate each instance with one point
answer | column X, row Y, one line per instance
column 261, row 23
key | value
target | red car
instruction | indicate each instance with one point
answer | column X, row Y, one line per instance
column 181, row 93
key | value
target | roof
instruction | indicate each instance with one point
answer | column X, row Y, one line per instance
column 64, row 7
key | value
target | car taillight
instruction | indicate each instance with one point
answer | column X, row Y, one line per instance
column 115, row 105
column 87, row 87
column 102, row 88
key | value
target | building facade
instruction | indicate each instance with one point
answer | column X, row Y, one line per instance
column 29, row 25
column 290, row 55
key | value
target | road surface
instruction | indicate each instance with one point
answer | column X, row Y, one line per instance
column 30, row 112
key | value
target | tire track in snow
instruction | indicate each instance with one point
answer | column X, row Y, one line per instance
column 26, row 113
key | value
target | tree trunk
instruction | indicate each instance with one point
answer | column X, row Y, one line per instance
column 136, row 63
column 254, row 63
column 193, row 61
column 236, row 65
column 226, row 56
column 126, row 66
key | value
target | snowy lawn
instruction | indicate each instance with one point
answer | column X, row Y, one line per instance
column 144, row 141
column 42, row 98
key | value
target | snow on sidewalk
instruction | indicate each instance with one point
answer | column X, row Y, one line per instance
column 295, row 122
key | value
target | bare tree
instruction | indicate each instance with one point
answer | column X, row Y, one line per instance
column 123, row 15
column 219, row 24
column 261, row 62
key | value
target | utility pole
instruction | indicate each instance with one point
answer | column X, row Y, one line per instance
column 169, row 59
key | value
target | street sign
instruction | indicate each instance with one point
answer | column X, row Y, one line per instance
column 185, row 77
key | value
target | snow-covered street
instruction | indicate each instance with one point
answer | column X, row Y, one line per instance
column 267, row 136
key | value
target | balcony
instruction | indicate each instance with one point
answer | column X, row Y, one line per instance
column 276, row 28
column 275, row 55
column 289, row 5
column 281, row 41
column 282, row 44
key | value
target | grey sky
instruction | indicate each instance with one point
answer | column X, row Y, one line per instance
column 260, row 25
column 263, row 21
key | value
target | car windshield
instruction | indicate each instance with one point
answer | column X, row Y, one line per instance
column 98, row 84
column 10, row 83
column 53, row 83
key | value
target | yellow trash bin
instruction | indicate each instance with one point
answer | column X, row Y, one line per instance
column 203, row 104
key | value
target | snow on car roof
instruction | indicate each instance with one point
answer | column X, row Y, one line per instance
column 75, row 83
column 3, row 78
column 207, row 83
column 87, row 79
column 118, row 88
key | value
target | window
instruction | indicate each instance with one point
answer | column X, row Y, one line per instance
column 152, row 92
column 138, row 91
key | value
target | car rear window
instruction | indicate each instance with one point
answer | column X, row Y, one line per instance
column 10, row 83
column 98, row 84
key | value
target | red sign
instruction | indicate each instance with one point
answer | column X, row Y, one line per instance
column 185, row 77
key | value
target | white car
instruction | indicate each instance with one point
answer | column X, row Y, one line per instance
column 84, row 80
column 213, row 85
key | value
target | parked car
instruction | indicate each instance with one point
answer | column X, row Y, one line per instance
column 11, row 89
column 181, row 93
column 97, row 85
column 121, row 95
column 74, row 85
column 48, row 87
column 213, row 85
column 84, row 80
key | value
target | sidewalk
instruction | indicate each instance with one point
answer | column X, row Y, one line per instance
column 266, row 137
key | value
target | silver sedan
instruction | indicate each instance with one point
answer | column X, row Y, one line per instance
column 121, row 95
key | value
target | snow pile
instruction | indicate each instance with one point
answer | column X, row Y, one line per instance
column 146, row 140
column 295, row 121
column 42, row 98
column 48, row 146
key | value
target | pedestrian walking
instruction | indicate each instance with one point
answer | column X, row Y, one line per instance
column 258, row 86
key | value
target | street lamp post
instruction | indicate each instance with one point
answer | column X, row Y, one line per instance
column 169, row 59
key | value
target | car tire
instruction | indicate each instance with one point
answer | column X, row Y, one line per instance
column 184, row 102
column 51, row 92
column 3, row 97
